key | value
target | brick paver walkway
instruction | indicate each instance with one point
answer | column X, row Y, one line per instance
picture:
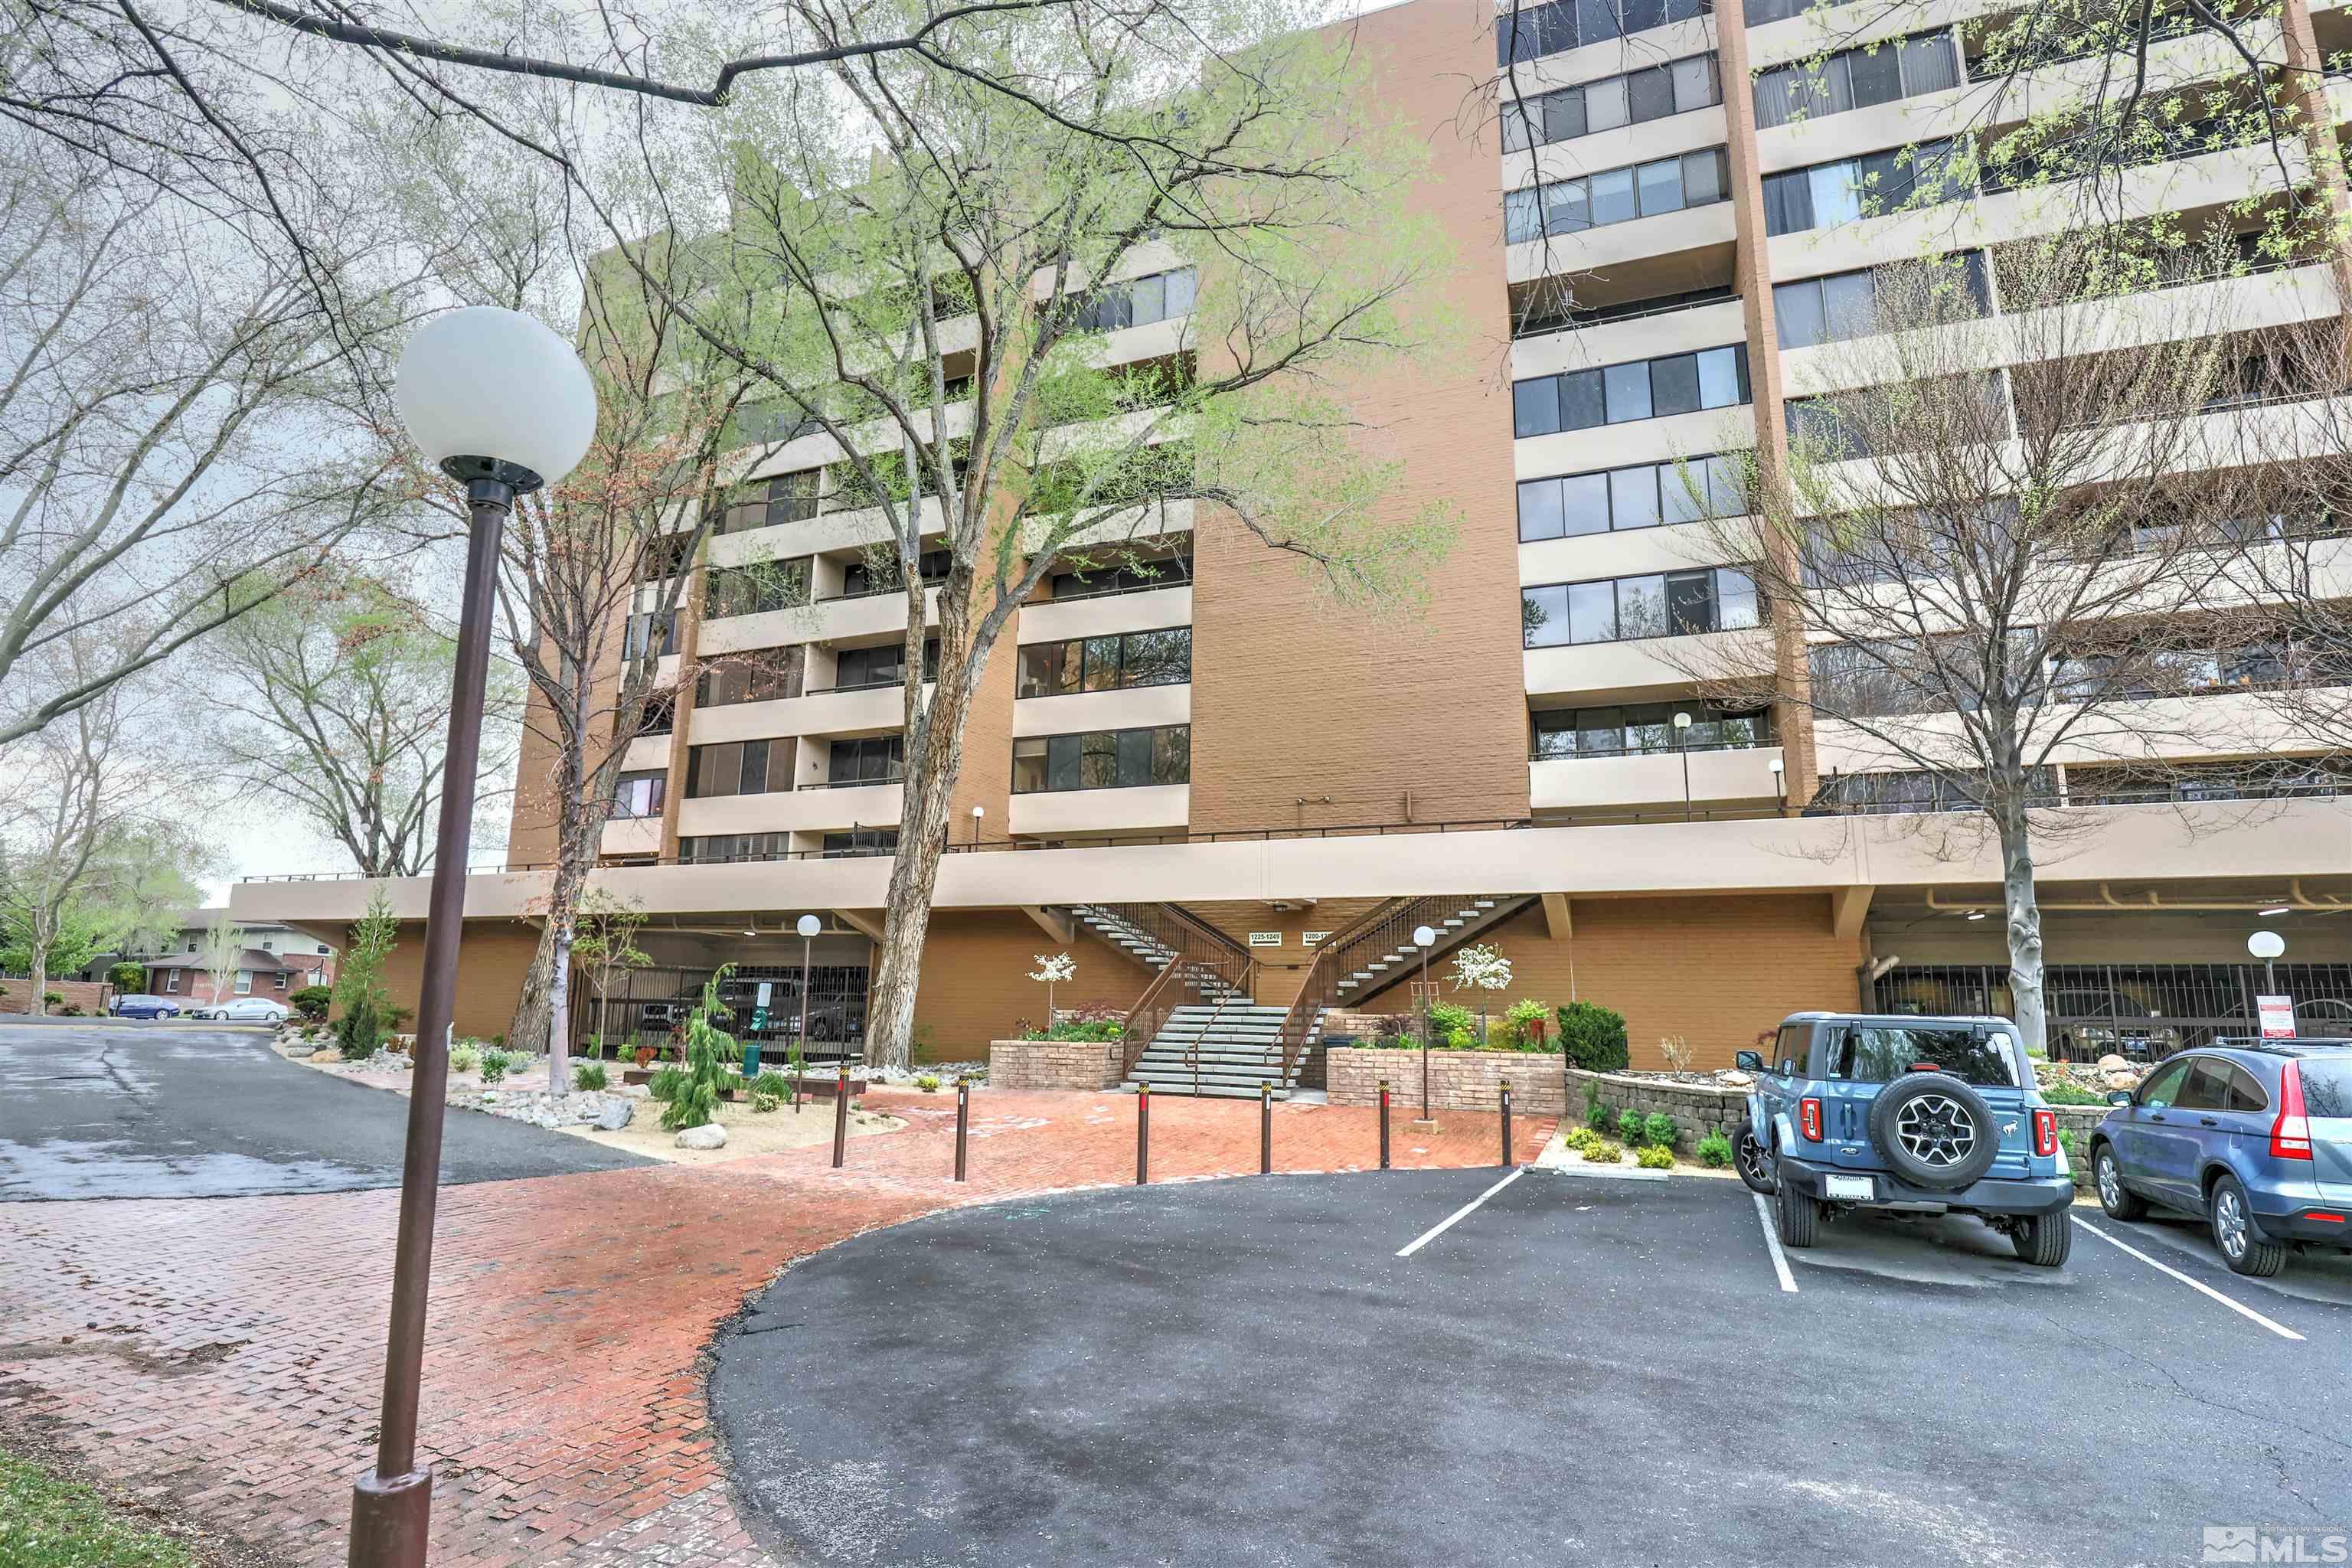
column 227, row 1353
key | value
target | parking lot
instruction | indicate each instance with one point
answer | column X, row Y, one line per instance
column 1324, row 1370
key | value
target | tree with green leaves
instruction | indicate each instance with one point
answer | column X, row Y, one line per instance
column 222, row 950
column 604, row 943
column 360, row 994
column 127, row 976
column 694, row 1098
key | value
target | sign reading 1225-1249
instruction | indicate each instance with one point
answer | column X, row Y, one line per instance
column 2277, row 1015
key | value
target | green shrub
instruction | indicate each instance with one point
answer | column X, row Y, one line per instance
column 1459, row 1040
column 127, row 976
column 71, row 1010
column 360, row 1030
column 1597, row 1116
column 765, row 1102
column 1631, row 1127
column 928, row 1083
column 589, row 1076
column 1079, row 1029
column 771, row 1083
column 1518, row 1033
column 1658, row 1129
column 1447, row 1019
column 1600, row 1152
column 2066, row 1142
column 498, row 1040
column 495, row 1064
column 1592, row 1036
column 1656, row 1158
column 464, row 1059
column 1714, row 1152
column 54, row 998
column 2062, row 1093
column 668, row 1080
column 312, row 1002
column 708, row 1050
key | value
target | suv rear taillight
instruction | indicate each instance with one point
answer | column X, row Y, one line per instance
column 2290, row 1134
column 1809, row 1120
column 2045, row 1132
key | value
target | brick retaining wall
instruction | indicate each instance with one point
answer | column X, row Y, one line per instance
column 1458, row 1081
column 1055, row 1064
column 90, row 996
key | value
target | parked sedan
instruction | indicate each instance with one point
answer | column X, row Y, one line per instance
column 139, row 1006
column 2253, row 1136
column 245, row 1010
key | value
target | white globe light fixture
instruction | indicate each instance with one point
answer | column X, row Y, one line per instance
column 501, row 404
column 808, row 926
column 489, row 393
column 2267, row 945
column 1424, row 938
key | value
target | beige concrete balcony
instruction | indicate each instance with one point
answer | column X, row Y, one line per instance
column 1084, row 813
column 1604, row 783
column 1659, row 440
column 1145, row 611
column 644, row 752
column 1136, row 708
column 1635, row 553
column 1614, row 57
column 792, row 811
column 1644, row 337
column 1645, row 668
column 632, row 835
column 872, row 709
column 1615, row 149
column 1619, row 244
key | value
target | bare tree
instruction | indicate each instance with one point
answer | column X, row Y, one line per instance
column 335, row 700
column 222, row 950
column 179, row 416
column 2016, row 544
column 87, row 862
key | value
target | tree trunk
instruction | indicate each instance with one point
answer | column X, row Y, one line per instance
column 2023, row 912
column 922, row 836
column 528, row 1031
column 37, row 1002
column 559, row 1014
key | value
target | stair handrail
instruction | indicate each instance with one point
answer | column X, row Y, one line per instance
column 1192, row 1051
column 1383, row 929
column 1142, row 1022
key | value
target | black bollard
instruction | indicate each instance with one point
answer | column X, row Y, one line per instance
column 840, row 1117
column 1266, row 1129
column 1142, row 1133
column 963, row 1122
column 1384, row 1124
column 1506, row 1122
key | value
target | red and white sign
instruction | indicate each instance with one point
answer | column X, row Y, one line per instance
column 2277, row 1015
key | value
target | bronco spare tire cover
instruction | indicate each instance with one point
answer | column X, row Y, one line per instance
column 1934, row 1131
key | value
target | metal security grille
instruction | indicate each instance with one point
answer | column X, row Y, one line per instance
column 649, row 1007
column 2142, row 1011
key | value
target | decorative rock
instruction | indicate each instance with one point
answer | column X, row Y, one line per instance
column 2113, row 1063
column 711, row 1135
column 328, row 1055
column 1737, row 1080
column 617, row 1113
column 2124, row 1079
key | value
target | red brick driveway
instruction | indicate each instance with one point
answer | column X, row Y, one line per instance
column 227, row 1353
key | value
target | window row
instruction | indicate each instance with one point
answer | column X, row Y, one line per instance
column 1539, row 314
column 1616, row 195
column 1647, row 731
column 1615, row 500
column 1850, row 188
column 1760, row 12
column 1860, row 423
column 721, row 848
column 1530, row 32
column 1107, row 663
column 1675, row 87
column 1663, row 604
column 1139, row 301
column 884, row 664
column 639, row 794
column 649, row 635
column 882, row 574
column 1103, row 759
column 738, row 768
column 1844, row 305
column 1126, row 577
column 1639, row 389
column 1857, row 79
column 761, row 677
column 756, row 588
column 786, row 498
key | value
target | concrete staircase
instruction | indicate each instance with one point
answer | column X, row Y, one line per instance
column 1238, row 1046
column 1371, row 973
column 1146, row 950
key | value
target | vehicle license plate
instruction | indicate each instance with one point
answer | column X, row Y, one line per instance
column 1847, row 1187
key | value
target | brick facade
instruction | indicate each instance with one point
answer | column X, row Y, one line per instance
column 1458, row 1081
column 90, row 996
column 1055, row 1064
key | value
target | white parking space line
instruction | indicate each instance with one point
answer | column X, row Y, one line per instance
column 2281, row 1330
column 1441, row 1226
column 1772, row 1240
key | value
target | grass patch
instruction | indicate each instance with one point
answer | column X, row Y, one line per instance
column 46, row 1522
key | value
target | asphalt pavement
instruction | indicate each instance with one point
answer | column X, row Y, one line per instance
column 129, row 1110
column 1579, row 1370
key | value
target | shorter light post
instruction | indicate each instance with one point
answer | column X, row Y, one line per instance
column 2267, row 945
column 808, row 926
column 977, row 813
column 1424, row 938
column 1682, row 744
column 1780, row 782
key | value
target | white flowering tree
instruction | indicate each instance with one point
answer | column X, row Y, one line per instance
column 1481, row 967
column 1050, row 969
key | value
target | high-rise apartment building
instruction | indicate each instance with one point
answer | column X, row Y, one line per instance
column 1193, row 763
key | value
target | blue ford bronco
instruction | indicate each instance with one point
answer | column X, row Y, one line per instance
column 1916, row 1115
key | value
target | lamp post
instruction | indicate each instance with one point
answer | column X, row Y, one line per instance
column 2267, row 945
column 495, row 399
column 1780, row 782
column 1682, row 744
column 977, row 813
column 808, row 926
column 1424, row 938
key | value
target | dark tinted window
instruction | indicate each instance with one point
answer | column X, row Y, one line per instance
column 2245, row 1092
column 2207, row 1088
column 1789, row 1054
column 1881, row 1052
column 2327, row 1086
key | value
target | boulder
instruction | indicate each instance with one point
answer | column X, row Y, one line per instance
column 711, row 1135
column 617, row 1113
column 1736, row 1079
column 328, row 1055
column 2113, row 1063
column 2122, row 1079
